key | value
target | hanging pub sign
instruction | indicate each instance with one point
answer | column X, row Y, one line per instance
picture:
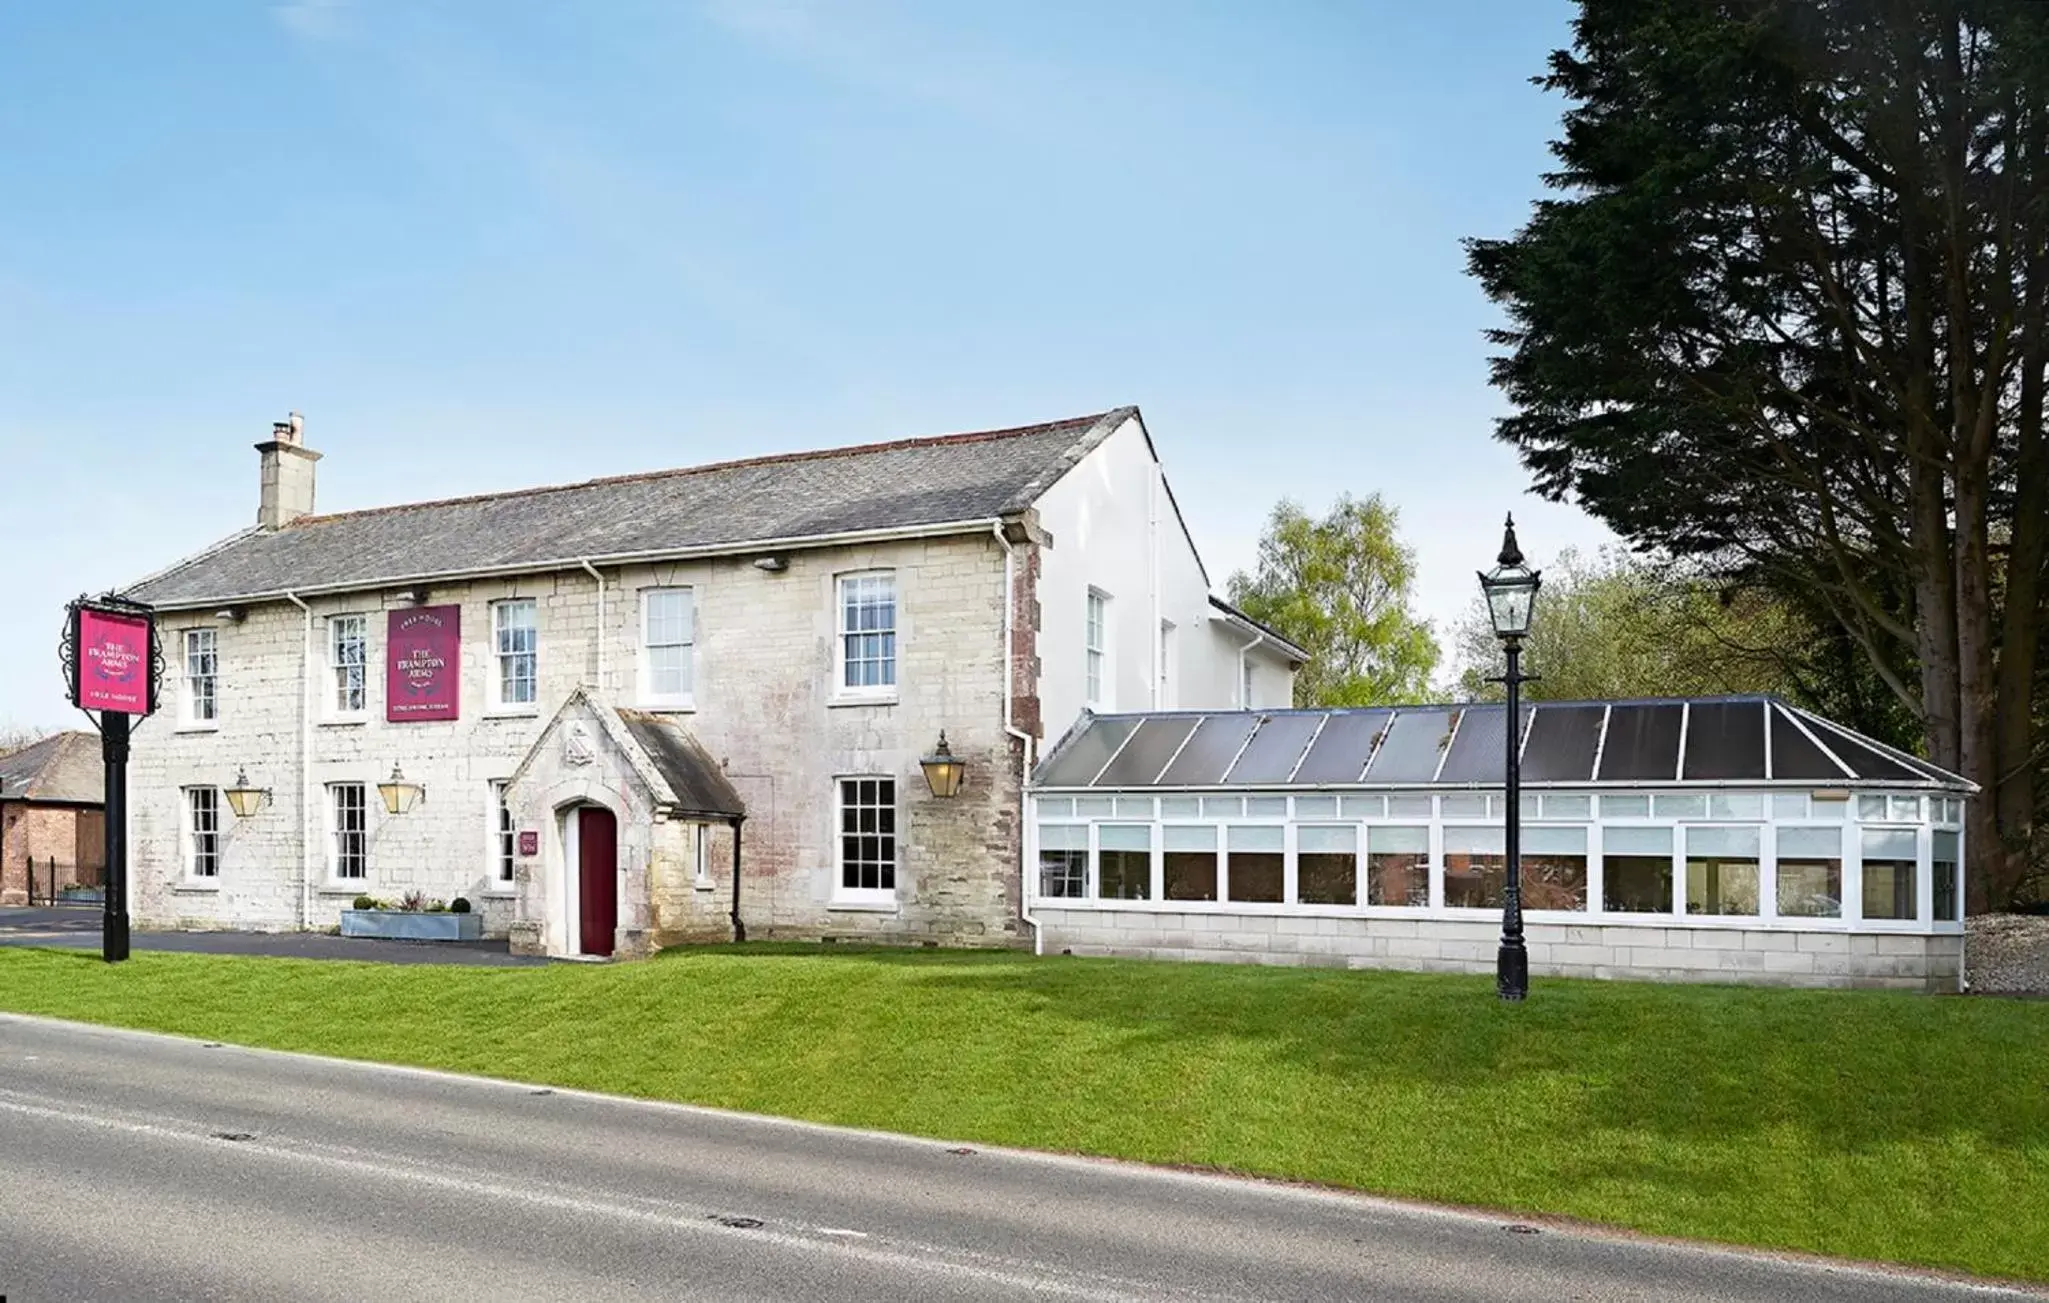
column 423, row 664
column 110, row 657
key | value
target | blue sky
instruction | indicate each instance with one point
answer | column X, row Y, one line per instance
column 489, row 245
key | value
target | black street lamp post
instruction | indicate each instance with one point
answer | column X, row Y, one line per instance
column 1511, row 589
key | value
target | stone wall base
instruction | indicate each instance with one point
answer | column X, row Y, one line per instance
column 1776, row 957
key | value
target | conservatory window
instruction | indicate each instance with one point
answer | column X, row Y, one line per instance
column 1408, row 807
column 1063, row 860
column 1889, row 862
column 1789, row 805
column 1554, row 868
column 1326, row 865
column 1811, row 872
column 1475, row 867
column 1561, row 805
column 1735, row 805
column 1124, row 861
column 1679, row 805
column 1636, row 869
column 1722, row 871
column 1189, row 858
column 1398, row 866
column 1258, row 864
column 1625, row 807
column 1946, row 864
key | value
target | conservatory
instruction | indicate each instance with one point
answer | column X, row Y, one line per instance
column 1718, row 839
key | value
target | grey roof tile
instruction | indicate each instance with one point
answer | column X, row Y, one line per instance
column 62, row 767
column 917, row 482
column 700, row 786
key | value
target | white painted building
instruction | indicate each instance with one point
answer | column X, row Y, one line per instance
column 1723, row 839
column 608, row 692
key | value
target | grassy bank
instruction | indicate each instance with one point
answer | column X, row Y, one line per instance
column 1870, row 1125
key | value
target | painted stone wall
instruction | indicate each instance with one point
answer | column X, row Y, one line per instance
column 764, row 707
column 1682, row 954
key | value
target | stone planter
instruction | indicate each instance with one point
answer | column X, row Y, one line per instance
column 405, row 925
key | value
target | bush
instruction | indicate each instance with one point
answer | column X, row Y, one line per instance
column 366, row 902
column 460, row 905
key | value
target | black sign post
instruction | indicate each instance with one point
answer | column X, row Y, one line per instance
column 112, row 665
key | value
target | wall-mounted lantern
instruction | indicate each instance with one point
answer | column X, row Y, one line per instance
column 943, row 773
column 243, row 799
column 399, row 795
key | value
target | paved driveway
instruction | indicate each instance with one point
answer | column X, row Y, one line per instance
column 79, row 925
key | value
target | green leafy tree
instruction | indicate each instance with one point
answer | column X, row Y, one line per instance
column 1618, row 625
column 1340, row 587
column 1784, row 317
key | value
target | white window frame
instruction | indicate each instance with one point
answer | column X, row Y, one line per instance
column 189, row 712
column 1099, row 671
column 649, row 696
column 501, row 838
column 338, row 709
column 865, row 897
column 702, row 880
column 198, row 862
column 867, row 692
column 336, row 860
column 499, row 703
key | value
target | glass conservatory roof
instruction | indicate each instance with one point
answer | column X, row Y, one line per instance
column 1657, row 742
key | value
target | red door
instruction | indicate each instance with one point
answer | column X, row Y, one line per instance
column 597, row 853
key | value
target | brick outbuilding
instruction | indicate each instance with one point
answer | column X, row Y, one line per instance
column 52, row 817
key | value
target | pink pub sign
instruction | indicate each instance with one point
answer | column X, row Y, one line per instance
column 114, row 671
column 423, row 664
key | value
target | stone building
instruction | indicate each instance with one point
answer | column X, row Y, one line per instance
column 52, row 817
column 594, row 709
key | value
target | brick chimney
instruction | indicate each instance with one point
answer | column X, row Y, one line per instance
column 287, row 474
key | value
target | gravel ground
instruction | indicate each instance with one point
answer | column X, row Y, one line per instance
column 2007, row 954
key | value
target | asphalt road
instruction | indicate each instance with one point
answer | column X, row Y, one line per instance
column 143, row 1167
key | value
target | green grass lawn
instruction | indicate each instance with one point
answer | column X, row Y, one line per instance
column 1869, row 1125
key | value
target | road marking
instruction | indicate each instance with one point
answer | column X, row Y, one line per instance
column 979, row 1267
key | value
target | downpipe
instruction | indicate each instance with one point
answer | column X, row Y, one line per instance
column 305, row 765
column 1025, row 892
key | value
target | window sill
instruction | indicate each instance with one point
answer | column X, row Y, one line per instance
column 349, row 889
column 499, row 893
column 211, row 726
column 512, row 712
column 195, row 888
column 861, row 699
column 860, row 905
column 345, row 721
column 668, row 707
column 703, row 884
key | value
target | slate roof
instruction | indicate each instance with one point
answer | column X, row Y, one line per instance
column 700, row 787
column 63, row 768
column 962, row 478
column 1654, row 742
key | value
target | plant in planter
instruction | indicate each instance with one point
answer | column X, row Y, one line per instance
column 414, row 917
